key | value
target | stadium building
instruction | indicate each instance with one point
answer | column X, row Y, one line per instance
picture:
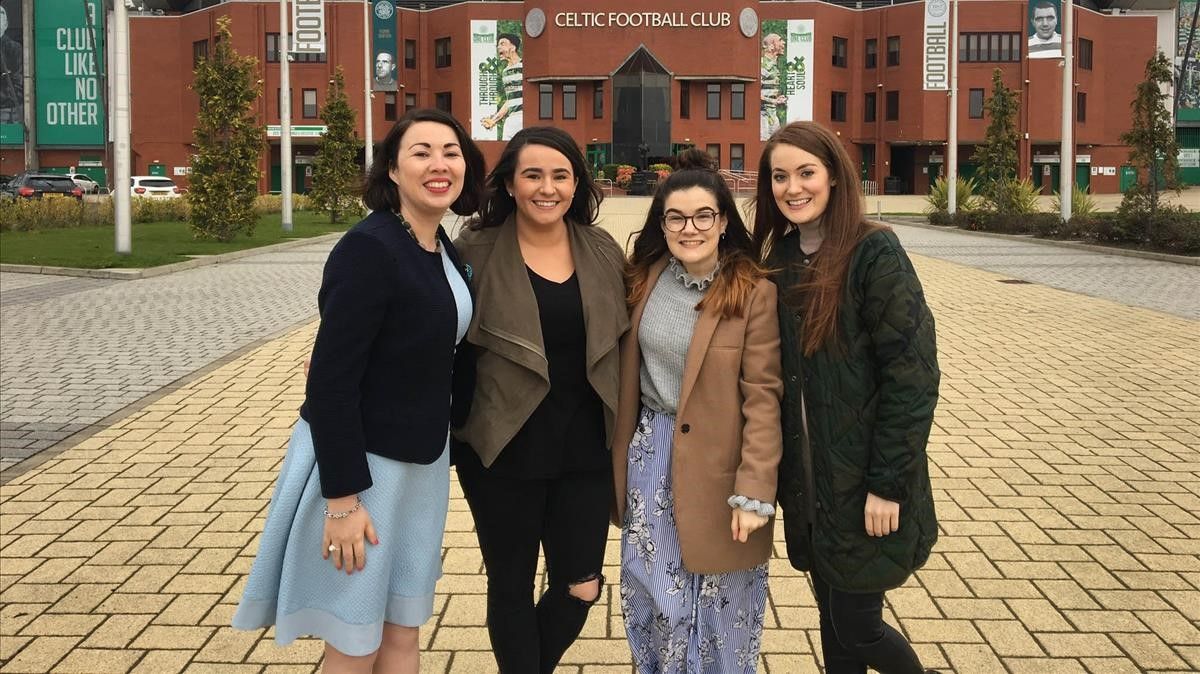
column 631, row 81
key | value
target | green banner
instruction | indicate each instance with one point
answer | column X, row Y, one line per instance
column 69, row 52
column 12, row 71
column 1189, row 78
column 384, row 46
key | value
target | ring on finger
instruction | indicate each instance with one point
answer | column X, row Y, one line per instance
column 333, row 548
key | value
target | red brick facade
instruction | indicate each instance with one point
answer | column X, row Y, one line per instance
column 164, row 108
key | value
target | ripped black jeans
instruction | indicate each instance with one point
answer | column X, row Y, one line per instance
column 568, row 518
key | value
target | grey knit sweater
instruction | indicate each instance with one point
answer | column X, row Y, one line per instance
column 666, row 331
column 668, row 322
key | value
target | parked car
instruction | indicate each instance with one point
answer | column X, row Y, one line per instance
column 154, row 187
column 85, row 183
column 41, row 186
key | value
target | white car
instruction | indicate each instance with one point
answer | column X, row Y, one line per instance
column 84, row 183
column 154, row 187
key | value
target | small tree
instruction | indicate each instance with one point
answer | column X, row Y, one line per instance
column 1151, row 139
column 224, row 179
column 997, row 154
column 334, row 169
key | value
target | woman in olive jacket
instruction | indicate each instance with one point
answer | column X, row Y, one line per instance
column 542, row 360
column 860, row 386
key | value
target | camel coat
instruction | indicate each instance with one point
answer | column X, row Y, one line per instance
column 727, row 439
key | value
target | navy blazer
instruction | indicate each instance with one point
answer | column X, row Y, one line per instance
column 382, row 366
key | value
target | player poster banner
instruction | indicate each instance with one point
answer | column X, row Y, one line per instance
column 497, row 79
column 69, row 52
column 1045, row 39
column 1189, row 79
column 937, row 45
column 12, row 73
column 383, row 46
column 786, row 94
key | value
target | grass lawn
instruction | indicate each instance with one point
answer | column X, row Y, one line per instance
column 154, row 243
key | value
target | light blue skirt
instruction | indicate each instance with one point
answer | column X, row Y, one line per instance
column 293, row 588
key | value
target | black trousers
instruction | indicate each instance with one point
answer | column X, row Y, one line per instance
column 568, row 518
column 854, row 636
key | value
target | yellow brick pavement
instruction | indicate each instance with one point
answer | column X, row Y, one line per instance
column 1065, row 456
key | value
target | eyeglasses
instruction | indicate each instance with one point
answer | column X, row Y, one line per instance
column 702, row 221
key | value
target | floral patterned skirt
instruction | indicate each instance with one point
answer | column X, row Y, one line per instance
column 679, row 621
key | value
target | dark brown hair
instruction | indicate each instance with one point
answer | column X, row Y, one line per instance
column 843, row 224
column 499, row 204
column 730, row 290
column 381, row 194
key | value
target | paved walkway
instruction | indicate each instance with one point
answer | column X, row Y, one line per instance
column 1163, row 286
column 1065, row 456
column 76, row 350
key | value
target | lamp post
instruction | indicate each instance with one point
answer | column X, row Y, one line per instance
column 285, row 118
column 121, row 185
column 1066, row 165
column 369, row 150
column 952, row 145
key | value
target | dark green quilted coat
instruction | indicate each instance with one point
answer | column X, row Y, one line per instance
column 870, row 409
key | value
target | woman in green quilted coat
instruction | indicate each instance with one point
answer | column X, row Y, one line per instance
column 860, row 386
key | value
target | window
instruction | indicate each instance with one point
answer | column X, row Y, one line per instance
column 309, row 103
column 893, row 55
column 737, row 100
column 839, row 52
column 713, row 109
column 441, row 52
column 989, row 47
column 892, row 105
column 837, row 106
column 975, row 104
column 871, row 53
column 389, row 106
column 279, row 105
column 545, row 101
column 1085, row 53
column 443, row 102
column 199, row 52
column 569, row 98
column 597, row 100
column 870, row 101
column 714, row 151
column 274, row 47
column 737, row 157
column 685, row 100
column 410, row 102
column 1080, row 107
column 309, row 58
column 410, row 54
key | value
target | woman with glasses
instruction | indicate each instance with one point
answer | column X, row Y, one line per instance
column 697, row 442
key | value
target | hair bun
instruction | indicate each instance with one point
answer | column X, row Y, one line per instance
column 695, row 160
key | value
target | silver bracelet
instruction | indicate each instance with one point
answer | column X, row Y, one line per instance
column 344, row 514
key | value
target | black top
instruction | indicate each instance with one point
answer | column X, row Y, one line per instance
column 565, row 433
column 383, row 360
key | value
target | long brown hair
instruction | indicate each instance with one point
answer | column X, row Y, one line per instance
column 730, row 290
column 843, row 224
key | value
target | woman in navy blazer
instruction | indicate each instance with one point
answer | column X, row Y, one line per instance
column 368, row 462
